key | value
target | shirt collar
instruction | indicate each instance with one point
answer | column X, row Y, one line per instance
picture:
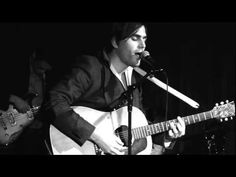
column 128, row 71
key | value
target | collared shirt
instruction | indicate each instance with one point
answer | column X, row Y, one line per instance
column 128, row 73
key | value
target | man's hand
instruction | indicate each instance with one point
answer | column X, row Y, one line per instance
column 109, row 143
column 177, row 129
column 21, row 105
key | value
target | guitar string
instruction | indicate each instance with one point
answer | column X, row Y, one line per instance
column 165, row 125
column 124, row 134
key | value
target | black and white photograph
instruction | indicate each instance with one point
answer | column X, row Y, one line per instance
column 117, row 87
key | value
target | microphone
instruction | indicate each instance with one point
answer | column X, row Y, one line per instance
column 146, row 57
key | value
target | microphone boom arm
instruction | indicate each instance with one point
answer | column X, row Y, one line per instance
column 170, row 90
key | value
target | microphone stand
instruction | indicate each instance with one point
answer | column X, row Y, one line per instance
column 128, row 95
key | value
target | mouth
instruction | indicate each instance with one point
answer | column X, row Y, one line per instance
column 138, row 54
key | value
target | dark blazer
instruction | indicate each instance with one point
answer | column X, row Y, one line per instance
column 92, row 84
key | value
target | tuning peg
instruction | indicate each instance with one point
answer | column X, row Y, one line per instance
column 217, row 104
column 226, row 119
column 231, row 118
column 227, row 101
column 221, row 120
column 221, row 102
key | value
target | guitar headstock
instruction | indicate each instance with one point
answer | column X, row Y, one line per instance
column 224, row 111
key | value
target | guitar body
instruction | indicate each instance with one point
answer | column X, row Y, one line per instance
column 108, row 122
column 12, row 124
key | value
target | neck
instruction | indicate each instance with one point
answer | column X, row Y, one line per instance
column 114, row 59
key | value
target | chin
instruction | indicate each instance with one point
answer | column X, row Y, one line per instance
column 138, row 63
column 135, row 63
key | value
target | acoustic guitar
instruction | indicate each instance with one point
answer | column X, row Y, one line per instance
column 116, row 121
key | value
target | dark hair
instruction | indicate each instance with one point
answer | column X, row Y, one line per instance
column 121, row 31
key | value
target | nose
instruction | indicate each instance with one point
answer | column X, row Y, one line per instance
column 142, row 44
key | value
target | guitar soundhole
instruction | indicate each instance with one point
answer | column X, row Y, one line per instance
column 122, row 133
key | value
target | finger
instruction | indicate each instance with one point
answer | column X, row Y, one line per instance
column 118, row 140
column 173, row 128
column 118, row 144
column 181, row 121
column 120, row 153
column 181, row 126
column 119, row 147
column 171, row 134
column 115, row 151
column 181, row 130
column 123, row 148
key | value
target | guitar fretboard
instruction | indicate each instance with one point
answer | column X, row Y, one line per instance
column 148, row 130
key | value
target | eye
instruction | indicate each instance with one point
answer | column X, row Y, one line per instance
column 134, row 38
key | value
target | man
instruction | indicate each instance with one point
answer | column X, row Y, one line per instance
column 98, row 82
column 24, row 100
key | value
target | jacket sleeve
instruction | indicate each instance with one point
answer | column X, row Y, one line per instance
column 60, row 99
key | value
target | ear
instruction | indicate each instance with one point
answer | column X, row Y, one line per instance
column 114, row 43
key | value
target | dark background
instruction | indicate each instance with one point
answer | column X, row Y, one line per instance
column 198, row 57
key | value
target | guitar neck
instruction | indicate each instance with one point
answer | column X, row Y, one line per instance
column 152, row 129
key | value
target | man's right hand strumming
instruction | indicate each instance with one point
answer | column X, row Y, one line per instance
column 109, row 143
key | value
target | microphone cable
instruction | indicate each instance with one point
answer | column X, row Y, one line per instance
column 167, row 96
column 166, row 103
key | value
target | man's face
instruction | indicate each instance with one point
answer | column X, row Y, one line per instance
column 129, row 49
